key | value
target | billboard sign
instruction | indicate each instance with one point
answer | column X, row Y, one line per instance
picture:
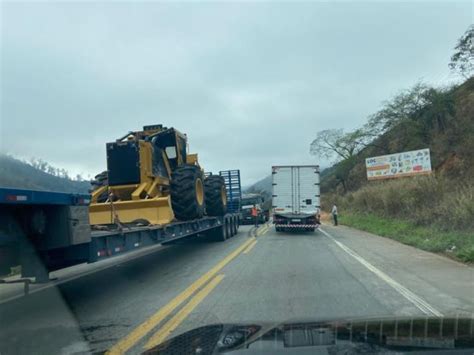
column 415, row 162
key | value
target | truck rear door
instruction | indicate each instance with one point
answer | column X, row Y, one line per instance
column 295, row 189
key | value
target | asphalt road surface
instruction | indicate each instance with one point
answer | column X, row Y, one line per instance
column 257, row 276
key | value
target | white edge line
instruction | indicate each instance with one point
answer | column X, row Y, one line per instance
column 420, row 303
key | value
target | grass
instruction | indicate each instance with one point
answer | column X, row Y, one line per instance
column 456, row 244
column 424, row 200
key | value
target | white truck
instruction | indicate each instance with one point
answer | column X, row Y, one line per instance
column 295, row 197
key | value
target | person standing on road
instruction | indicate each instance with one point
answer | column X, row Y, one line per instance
column 255, row 214
column 334, row 214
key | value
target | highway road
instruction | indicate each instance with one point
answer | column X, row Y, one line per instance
column 257, row 276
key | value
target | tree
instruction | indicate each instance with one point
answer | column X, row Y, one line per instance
column 463, row 58
column 334, row 142
column 438, row 111
column 343, row 169
column 402, row 107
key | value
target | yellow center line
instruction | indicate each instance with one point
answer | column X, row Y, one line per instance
column 249, row 247
column 179, row 317
column 147, row 326
column 262, row 230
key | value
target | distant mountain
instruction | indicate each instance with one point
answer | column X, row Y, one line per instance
column 15, row 173
column 264, row 185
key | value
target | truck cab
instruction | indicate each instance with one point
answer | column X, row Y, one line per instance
column 248, row 202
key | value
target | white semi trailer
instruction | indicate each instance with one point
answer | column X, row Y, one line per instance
column 295, row 197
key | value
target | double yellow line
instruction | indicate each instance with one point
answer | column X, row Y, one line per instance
column 174, row 322
column 262, row 230
column 259, row 233
column 250, row 247
column 146, row 327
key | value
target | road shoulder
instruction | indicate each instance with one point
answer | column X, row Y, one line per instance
column 443, row 282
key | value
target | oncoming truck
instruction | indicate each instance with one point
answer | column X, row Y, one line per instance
column 248, row 202
column 295, row 197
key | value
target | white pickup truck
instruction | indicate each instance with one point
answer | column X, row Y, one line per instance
column 295, row 197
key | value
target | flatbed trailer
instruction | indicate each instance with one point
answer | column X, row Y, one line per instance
column 46, row 231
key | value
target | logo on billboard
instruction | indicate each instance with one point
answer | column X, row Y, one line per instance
column 416, row 162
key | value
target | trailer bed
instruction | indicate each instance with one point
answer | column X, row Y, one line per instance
column 59, row 240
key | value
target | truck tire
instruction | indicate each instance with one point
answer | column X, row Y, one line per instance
column 100, row 180
column 230, row 228
column 235, row 224
column 217, row 234
column 227, row 228
column 187, row 192
column 216, row 195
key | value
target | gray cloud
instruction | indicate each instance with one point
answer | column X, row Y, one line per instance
column 250, row 83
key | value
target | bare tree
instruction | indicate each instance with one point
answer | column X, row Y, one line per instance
column 331, row 143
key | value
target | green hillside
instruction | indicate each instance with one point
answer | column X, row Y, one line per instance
column 432, row 212
column 422, row 117
column 39, row 175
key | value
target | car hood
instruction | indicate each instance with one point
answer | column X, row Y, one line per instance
column 346, row 336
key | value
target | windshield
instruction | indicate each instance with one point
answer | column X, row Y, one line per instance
column 268, row 175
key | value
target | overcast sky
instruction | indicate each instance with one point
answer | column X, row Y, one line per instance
column 250, row 83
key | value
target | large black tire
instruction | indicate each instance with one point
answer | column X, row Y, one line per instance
column 218, row 234
column 228, row 228
column 216, row 197
column 100, row 180
column 187, row 192
column 235, row 224
column 232, row 227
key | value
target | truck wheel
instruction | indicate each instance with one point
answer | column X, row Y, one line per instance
column 100, row 180
column 217, row 234
column 231, row 228
column 228, row 228
column 187, row 192
column 216, row 195
column 235, row 224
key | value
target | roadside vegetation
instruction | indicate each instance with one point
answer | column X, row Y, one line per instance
column 456, row 244
column 429, row 212
column 435, row 212
column 36, row 174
